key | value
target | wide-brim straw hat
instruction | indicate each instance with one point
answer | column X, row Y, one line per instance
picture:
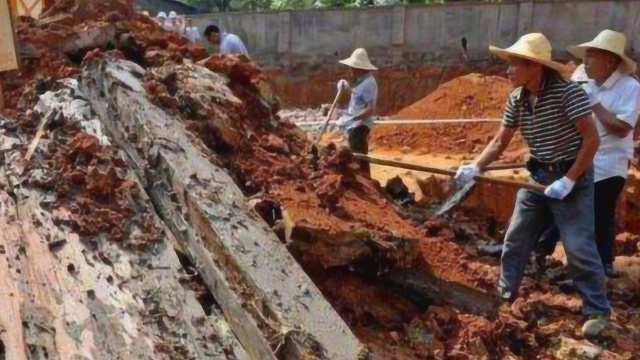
column 611, row 41
column 359, row 60
column 534, row 47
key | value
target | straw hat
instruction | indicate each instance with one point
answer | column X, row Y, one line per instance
column 611, row 41
column 359, row 60
column 145, row 13
column 534, row 47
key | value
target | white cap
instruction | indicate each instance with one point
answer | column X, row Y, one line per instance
column 162, row 14
column 172, row 15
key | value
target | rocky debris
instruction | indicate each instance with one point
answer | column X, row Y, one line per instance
column 88, row 268
column 302, row 116
column 572, row 349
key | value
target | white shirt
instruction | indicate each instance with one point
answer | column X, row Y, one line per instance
column 192, row 33
column 232, row 44
column 363, row 95
column 620, row 94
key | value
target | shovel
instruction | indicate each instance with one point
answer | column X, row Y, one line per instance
column 461, row 191
column 315, row 155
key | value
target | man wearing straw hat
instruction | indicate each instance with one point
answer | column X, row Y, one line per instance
column 615, row 97
column 357, row 120
column 554, row 117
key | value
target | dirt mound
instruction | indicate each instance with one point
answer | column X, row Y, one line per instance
column 473, row 96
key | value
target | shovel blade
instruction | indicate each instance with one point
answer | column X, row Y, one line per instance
column 460, row 193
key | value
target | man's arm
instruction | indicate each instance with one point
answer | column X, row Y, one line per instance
column 621, row 122
column 588, row 149
column 496, row 147
column 609, row 120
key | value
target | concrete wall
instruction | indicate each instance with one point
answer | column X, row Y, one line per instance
column 408, row 35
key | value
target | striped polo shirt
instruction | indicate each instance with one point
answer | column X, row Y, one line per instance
column 549, row 127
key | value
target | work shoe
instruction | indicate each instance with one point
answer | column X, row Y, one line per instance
column 599, row 326
column 611, row 272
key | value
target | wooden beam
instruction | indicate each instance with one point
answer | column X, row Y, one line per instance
column 267, row 298
column 442, row 292
column 68, row 297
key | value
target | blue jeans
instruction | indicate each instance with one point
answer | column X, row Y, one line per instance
column 575, row 219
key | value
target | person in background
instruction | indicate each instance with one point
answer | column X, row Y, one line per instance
column 229, row 43
column 357, row 120
column 191, row 31
column 174, row 23
column 161, row 19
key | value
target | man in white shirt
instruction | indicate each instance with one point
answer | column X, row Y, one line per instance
column 357, row 120
column 191, row 32
column 229, row 43
column 615, row 97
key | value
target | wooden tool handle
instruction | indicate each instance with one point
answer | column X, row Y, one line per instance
column 446, row 172
column 326, row 122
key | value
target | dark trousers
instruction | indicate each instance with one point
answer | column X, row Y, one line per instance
column 358, row 144
column 605, row 201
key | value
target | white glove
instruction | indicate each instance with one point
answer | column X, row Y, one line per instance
column 560, row 188
column 592, row 92
column 466, row 173
column 342, row 123
column 343, row 85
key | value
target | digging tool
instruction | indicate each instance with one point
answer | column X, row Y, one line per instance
column 461, row 191
column 496, row 167
column 314, row 146
column 447, row 172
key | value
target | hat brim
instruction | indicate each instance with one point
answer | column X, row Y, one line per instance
column 352, row 64
column 628, row 66
column 505, row 54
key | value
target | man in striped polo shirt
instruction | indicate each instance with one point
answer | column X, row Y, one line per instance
column 554, row 117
